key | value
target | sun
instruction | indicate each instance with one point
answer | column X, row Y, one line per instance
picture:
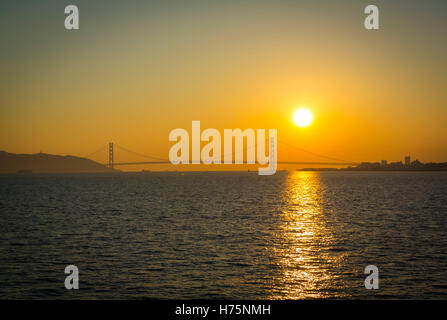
column 302, row 117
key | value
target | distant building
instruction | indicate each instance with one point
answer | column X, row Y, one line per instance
column 407, row 161
column 417, row 164
column 384, row 163
column 396, row 165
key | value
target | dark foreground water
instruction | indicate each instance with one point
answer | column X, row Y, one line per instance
column 224, row 235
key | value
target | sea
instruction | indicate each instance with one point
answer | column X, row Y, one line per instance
column 224, row 235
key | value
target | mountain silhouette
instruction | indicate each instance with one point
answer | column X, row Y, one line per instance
column 48, row 163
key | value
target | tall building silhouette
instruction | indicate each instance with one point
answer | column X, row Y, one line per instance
column 408, row 161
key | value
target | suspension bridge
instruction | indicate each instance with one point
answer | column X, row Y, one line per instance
column 154, row 160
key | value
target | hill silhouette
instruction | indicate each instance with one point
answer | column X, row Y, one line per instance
column 48, row 163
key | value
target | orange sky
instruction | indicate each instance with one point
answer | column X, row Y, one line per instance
column 131, row 76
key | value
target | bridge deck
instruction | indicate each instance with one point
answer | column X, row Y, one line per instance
column 279, row 162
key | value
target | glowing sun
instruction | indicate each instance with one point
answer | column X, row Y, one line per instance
column 302, row 117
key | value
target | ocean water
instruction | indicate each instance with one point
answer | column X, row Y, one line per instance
column 294, row 235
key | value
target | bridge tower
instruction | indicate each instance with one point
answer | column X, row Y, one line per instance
column 110, row 154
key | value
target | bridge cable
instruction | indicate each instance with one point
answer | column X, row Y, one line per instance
column 315, row 154
column 91, row 154
column 140, row 154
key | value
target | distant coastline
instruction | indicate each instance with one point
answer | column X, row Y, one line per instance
column 48, row 163
column 408, row 165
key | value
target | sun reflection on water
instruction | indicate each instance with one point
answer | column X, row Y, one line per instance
column 307, row 267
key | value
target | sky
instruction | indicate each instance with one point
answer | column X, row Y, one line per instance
column 136, row 70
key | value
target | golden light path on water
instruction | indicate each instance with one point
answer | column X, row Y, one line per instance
column 304, row 253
